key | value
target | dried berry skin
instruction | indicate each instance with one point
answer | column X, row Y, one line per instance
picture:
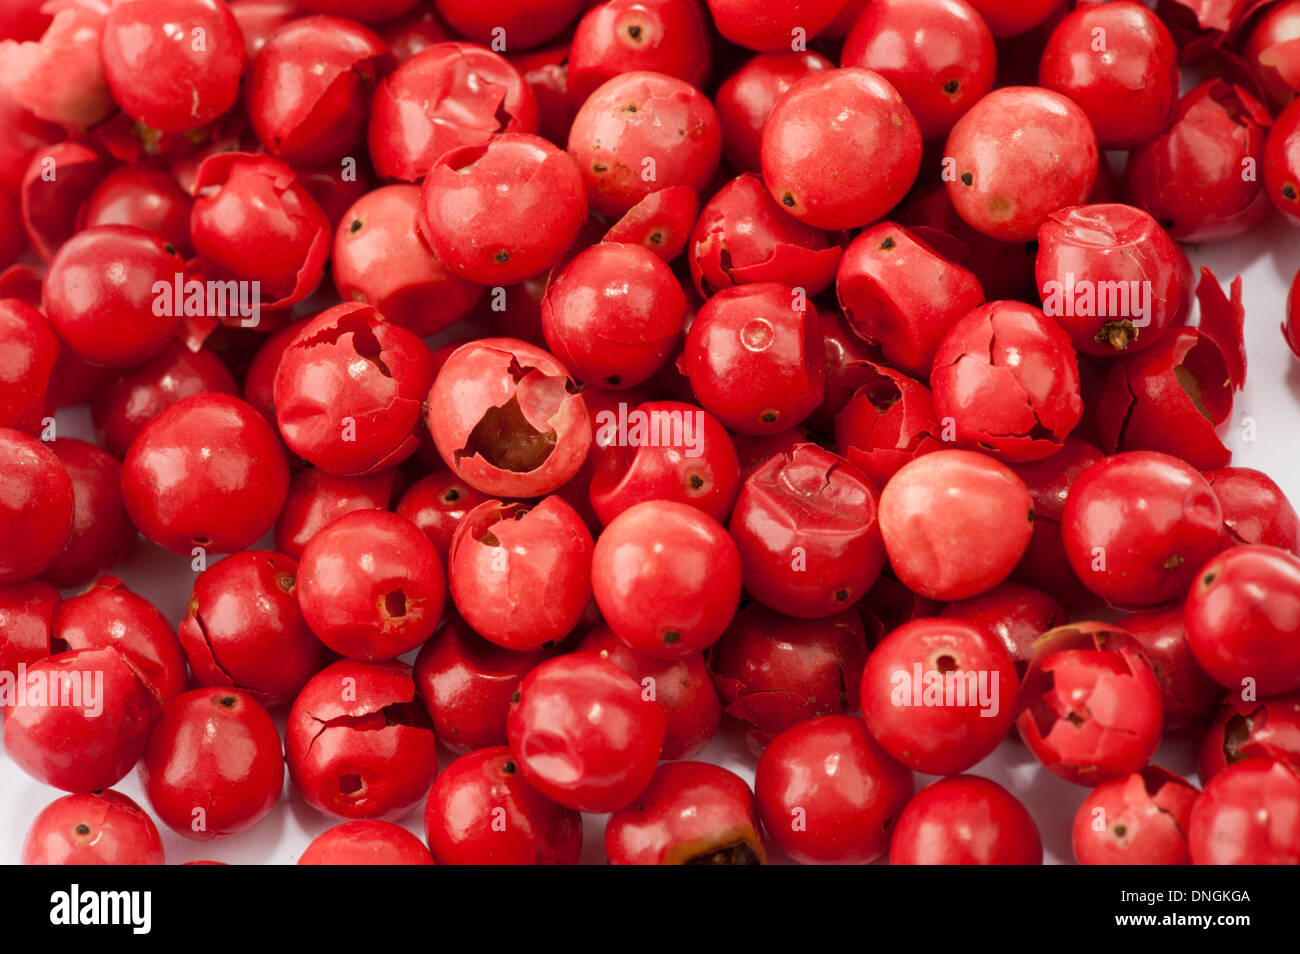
column 1138, row 820
column 888, row 422
column 691, row 813
column 806, row 528
column 876, row 147
column 965, row 820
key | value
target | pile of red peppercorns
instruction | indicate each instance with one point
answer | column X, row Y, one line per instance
column 559, row 385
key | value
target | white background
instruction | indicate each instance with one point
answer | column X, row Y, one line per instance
column 1267, row 259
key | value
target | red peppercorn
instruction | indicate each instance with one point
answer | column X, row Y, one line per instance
column 366, row 842
column 36, row 507
column 103, row 828
column 213, row 766
column 1138, row 820
column 828, row 793
column 618, row 36
column 1242, row 729
column 1249, row 814
column 358, row 741
column 102, row 534
column 583, row 733
column 1255, row 510
column 691, row 813
column 965, row 820
column 436, row 503
column 746, row 98
column 26, row 617
column 316, row 499
column 1090, row 704
column 1187, row 694
column 1014, row 615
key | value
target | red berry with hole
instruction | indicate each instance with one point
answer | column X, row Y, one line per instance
column 437, row 503
column 828, row 793
column 939, row 694
column 965, row 820
column 371, row 585
column 1012, row 614
column 618, row 36
column 358, row 741
column 507, row 418
column 1245, row 729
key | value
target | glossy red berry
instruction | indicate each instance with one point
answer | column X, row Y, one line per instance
column 135, row 397
column 145, row 198
column 666, row 578
column 31, row 349
column 1112, row 277
column 614, row 314
column 1249, row 814
column 154, row 48
column 939, row 694
column 1012, row 614
column 1129, row 87
column 104, row 828
column 26, row 614
column 663, row 450
column 774, row 27
column 525, row 22
column 496, row 213
column 933, row 507
column 366, row 842
column 381, row 258
column 521, row 575
column 1090, row 704
column 1138, row 820
column 102, row 294
column 744, row 235
column 358, row 741
column 350, row 390
column 1138, row 526
column 1265, row 728
column 681, row 686
column 213, row 766
column 102, row 534
column 584, row 733
column 965, row 820
column 691, row 813
column 316, row 499
column 436, row 503
column 849, row 119
column 776, row 671
column 207, row 472
column 938, row 54
column 371, row 585
column 1007, row 379
column 661, row 222
column 755, row 359
column 901, row 294
column 1190, row 177
column 805, row 525
column 78, row 720
column 253, row 221
column 1020, row 154
column 108, row 615
column 309, row 88
column 619, row 36
column 479, row 95
column 243, row 628
column 36, row 507
column 506, row 418
column 1243, row 619
column 483, row 811
column 746, row 97
column 828, row 793
column 641, row 132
